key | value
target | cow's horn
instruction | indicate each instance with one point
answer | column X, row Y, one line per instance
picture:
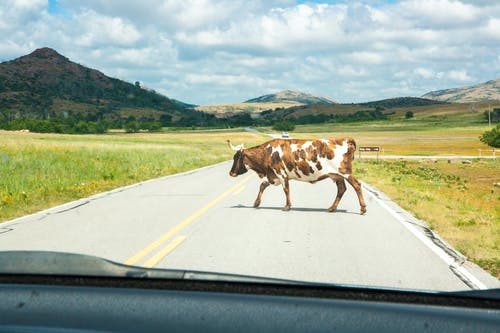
column 238, row 147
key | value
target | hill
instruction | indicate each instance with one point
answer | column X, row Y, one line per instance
column 231, row 109
column 45, row 85
column 292, row 96
column 402, row 102
column 487, row 91
column 394, row 109
column 375, row 109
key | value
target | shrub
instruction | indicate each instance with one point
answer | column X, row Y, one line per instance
column 492, row 137
column 132, row 127
column 284, row 126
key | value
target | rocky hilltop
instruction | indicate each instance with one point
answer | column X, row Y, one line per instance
column 487, row 91
column 292, row 96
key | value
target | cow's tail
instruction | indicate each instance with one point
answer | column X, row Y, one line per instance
column 351, row 147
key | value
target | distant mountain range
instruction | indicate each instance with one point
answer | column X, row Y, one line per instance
column 486, row 91
column 46, row 84
column 292, row 96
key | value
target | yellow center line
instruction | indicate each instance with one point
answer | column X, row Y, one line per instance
column 238, row 191
column 163, row 253
column 141, row 254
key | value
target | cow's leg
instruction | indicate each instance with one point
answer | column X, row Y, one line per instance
column 286, row 188
column 340, row 191
column 263, row 186
column 357, row 187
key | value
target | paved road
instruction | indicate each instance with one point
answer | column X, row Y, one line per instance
column 204, row 220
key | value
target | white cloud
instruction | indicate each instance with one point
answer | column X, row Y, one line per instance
column 458, row 75
column 202, row 51
column 425, row 73
column 365, row 57
column 492, row 28
column 440, row 13
column 104, row 30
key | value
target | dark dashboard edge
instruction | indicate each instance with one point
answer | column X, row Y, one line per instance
column 251, row 288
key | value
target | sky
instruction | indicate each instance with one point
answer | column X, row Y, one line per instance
column 224, row 51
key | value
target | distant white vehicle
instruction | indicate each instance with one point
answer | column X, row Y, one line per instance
column 285, row 135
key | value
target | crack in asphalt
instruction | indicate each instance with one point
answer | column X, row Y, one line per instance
column 4, row 230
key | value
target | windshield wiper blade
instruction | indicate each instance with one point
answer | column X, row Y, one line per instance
column 72, row 264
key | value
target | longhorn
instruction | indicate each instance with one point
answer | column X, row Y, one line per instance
column 238, row 147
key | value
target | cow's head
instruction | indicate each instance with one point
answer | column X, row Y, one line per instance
column 238, row 167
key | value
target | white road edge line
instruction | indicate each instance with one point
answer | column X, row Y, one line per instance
column 450, row 261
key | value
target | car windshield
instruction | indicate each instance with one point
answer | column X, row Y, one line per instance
column 332, row 142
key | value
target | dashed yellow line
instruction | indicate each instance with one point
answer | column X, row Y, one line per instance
column 148, row 249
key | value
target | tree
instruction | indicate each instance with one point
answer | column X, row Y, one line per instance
column 492, row 137
column 493, row 116
column 166, row 120
column 151, row 126
column 409, row 115
column 132, row 127
column 284, row 126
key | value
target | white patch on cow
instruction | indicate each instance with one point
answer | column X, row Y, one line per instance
column 278, row 149
column 294, row 147
column 284, row 171
column 325, row 141
column 307, row 144
column 339, row 152
column 313, row 165
column 277, row 181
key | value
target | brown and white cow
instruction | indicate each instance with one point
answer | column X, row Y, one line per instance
column 278, row 161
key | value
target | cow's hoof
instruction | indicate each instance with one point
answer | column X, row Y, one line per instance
column 363, row 210
column 332, row 209
column 286, row 208
column 256, row 204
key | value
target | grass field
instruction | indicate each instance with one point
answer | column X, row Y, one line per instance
column 395, row 141
column 461, row 202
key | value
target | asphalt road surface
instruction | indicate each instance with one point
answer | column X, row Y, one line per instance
column 204, row 220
